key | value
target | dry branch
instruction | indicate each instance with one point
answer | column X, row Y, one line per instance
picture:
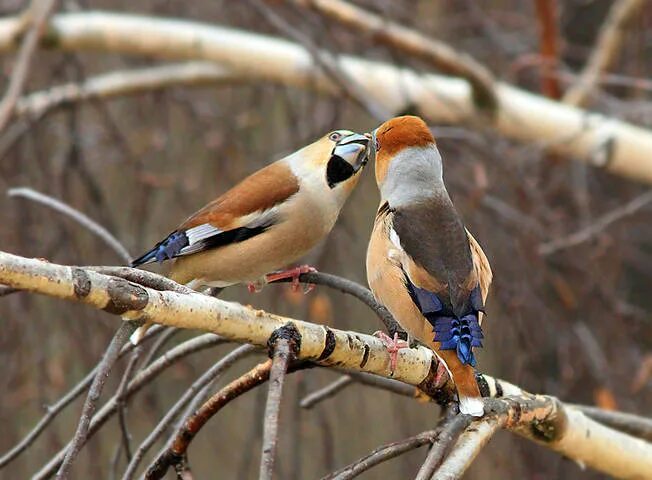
column 35, row 18
column 127, row 82
column 605, row 52
column 539, row 418
column 103, row 369
column 143, row 378
column 283, row 344
column 53, row 410
column 617, row 146
column 411, row 43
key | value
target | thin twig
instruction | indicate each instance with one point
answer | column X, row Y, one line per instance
column 82, row 219
column 121, row 400
column 382, row 454
column 142, row 378
column 468, row 446
column 449, row 430
column 104, row 368
column 607, row 48
column 63, row 402
column 549, row 46
column 192, row 425
column 327, row 62
column 352, row 288
column 328, row 391
column 158, row 344
column 36, row 17
column 282, row 356
column 602, row 223
column 208, row 376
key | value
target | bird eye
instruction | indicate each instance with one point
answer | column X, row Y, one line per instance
column 335, row 136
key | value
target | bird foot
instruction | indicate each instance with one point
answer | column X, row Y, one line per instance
column 294, row 274
column 393, row 345
column 255, row 287
column 441, row 376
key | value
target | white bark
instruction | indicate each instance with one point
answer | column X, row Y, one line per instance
column 543, row 419
column 617, row 146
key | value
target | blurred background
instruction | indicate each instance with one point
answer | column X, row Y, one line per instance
column 568, row 318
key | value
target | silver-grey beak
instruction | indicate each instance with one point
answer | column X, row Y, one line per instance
column 353, row 149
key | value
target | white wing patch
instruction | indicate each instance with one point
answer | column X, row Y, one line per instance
column 395, row 254
column 196, row 235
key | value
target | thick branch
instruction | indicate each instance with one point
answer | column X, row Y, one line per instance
column 410, row 42
column 542, row 419
column 605, row 142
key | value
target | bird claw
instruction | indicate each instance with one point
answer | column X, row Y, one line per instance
column 294, row 274
column 393, row 345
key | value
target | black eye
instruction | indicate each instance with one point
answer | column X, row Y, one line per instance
column 335, row 136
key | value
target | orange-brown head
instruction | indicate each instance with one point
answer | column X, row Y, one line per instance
column 394, row 136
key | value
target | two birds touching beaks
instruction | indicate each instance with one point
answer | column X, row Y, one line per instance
column 422, row 263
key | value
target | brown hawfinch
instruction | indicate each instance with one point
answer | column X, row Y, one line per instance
column 267, row 221
column 422, row 264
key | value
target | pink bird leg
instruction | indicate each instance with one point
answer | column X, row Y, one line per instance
column 294, row 274
column 393, row 345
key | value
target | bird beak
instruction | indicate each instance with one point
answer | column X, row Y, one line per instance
column 353, row 149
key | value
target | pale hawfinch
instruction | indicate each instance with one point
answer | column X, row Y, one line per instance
column 267, row 221
column 422, row 263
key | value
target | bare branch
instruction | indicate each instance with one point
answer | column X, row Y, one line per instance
column 449, row 431
column 127, row 82
column 63, row 402
column 142, row 378
column 328, row 391
column 539, row 418
column 467, row 448
column 549, row 45
column 327, row 62
column 86, row 222
column 605, row 52
column 617, row 146
column 122, row 401
column 625, row 422
column 410, row 42
column 208, row 376
column 36, row 18
column 103, row 369
column 596, row 227
column 352, row 288
column 284, row 345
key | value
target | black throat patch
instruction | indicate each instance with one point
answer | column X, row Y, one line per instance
column 338, row 170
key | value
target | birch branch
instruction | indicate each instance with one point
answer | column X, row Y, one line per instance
column 125, row 82
column 617, row 146
column 35, row 18
column 605, row 52
column 410, row 42
column 540, row 418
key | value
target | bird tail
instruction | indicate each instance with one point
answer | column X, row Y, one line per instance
column 465, row 382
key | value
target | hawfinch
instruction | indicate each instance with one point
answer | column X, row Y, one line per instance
column 267, row 221
column 422, row 264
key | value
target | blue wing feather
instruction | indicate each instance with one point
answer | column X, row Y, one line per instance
column 452, row 333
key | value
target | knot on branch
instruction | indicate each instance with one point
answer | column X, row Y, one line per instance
column 289, row 333
column 125, row 296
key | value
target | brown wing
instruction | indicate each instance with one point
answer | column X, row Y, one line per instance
column 432, row 235
column 258, row 192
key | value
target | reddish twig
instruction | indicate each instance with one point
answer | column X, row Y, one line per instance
column 549, row 45
column 208, row 376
